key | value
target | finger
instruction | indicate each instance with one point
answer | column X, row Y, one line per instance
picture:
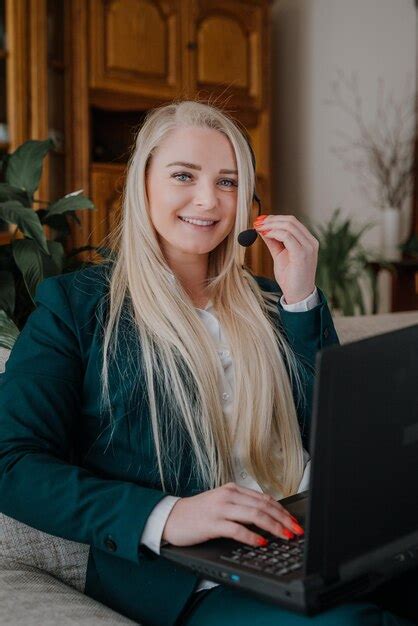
column 259, row 517
column 287, row 238
column 278, row 514
column 232, row 530
column 291, row 219
column 293, row 230
column 249, row 497
column 301, row 227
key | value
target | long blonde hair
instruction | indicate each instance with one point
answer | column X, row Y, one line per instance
column 177, row 355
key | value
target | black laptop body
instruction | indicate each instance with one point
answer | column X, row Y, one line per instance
column 360, row 514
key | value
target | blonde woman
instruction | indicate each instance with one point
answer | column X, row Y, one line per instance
column 164, row 396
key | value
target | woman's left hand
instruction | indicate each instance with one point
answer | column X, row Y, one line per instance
column 295, row 254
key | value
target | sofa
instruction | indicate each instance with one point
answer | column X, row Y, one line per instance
column 41, row 576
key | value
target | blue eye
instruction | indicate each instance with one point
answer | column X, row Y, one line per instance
column 233, row 183
column 228, row 180
column 175, row 175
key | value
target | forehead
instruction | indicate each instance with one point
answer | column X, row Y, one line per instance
column 196, row 145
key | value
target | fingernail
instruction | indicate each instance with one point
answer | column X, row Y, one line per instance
column 287, row 533
column 259, row 220
column 262, row 541
column 264, row 232
column 298, row 529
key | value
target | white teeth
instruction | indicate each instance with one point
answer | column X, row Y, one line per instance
column 198, row 222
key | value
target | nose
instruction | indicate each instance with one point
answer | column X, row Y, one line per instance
column 206, row 195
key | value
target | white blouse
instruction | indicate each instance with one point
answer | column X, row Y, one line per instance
column 156, row 521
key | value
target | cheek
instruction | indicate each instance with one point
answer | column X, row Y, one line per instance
column 163, row 203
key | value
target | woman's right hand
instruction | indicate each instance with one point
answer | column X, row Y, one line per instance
column 222, row 512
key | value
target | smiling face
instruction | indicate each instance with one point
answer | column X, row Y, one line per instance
column 185, row 179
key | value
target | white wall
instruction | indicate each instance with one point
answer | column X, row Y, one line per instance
column 311, row 41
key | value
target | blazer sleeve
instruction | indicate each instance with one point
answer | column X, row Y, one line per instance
column 308, row 332
column 40, row 401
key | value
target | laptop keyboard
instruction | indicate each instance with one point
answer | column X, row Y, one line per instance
column 279, row 557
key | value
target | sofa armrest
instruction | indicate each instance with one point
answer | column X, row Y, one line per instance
column 29, row 597
column 357, row 327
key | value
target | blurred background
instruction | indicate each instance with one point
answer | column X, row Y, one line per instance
column 326, row 90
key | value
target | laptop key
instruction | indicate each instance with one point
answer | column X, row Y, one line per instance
column 281, row 571
column 295, row 566
column 234, row 559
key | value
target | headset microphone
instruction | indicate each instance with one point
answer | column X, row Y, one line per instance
column 247, row 237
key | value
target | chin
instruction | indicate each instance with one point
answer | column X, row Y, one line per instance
column 196, row 249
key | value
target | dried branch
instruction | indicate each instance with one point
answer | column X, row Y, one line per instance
column 382, row 155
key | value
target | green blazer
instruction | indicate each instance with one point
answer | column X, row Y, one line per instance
column 57, row 471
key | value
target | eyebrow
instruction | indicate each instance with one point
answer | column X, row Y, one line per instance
column 192, row 166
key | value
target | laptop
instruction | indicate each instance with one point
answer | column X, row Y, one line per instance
column 360, row 514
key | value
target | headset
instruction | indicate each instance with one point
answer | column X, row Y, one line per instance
column 248, row 237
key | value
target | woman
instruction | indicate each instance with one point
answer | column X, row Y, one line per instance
column 161, row 397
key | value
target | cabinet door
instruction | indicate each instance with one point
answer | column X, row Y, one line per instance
column 224, row 54
column 134, row 47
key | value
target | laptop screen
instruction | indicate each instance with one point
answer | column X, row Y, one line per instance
column 365, row 448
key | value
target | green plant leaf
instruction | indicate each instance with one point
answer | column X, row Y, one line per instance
column 24, row 167
column 28, row 259
column 53, row 265
column 7, row 292
column 8, row 192
column 26, row 220
column 9, row 332
column 69, row 203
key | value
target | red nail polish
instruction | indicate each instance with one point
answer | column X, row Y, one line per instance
column 287, row 533
column 262, row 542
column 298, row 529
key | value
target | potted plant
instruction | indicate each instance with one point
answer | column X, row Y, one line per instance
column 342, row 262
column 30, row 257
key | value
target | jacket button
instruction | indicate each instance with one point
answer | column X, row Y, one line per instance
column 326, row 333
column 110, row 544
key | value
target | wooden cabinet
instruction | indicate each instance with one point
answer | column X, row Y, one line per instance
column 167, row 48
column 225, row 49
column 135, row 47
